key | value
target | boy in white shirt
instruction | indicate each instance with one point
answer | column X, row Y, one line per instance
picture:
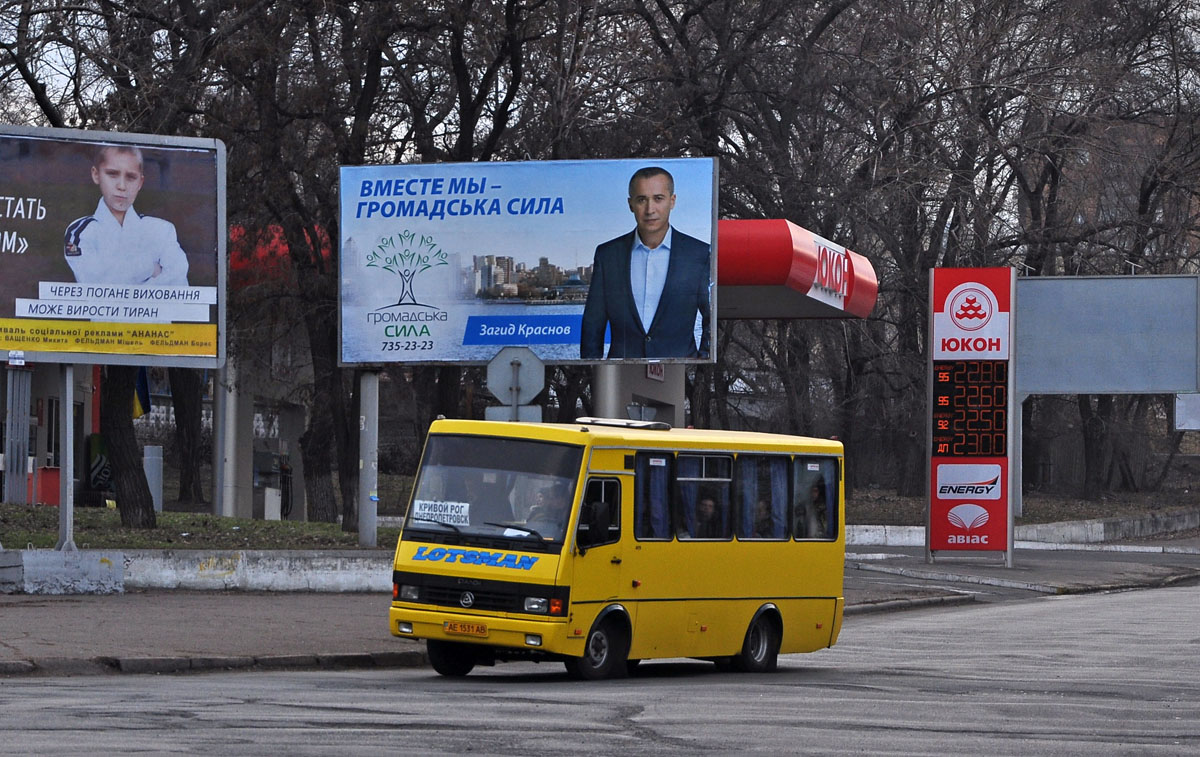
column 116, row 245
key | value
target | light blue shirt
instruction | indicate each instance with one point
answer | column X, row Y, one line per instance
column 648, row 275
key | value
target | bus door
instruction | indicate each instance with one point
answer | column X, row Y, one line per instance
column 652, row 575
column 596, row 579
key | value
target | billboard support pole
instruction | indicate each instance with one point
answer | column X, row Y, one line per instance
column 368, row 457
column 66, row 470
column 606, row 384
column 1018, row 474
column 514, row 390
column 226, row 503
column 218, row 442
column 16, row 436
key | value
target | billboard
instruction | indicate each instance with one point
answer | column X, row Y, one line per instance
column 1108, row 334
column 112, row 248
column 451, row 262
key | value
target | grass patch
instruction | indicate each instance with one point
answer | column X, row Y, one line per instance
column 22, row 526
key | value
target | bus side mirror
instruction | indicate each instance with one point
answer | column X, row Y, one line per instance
column 583, row 534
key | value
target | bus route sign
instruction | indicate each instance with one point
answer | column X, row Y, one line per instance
column 970, row 404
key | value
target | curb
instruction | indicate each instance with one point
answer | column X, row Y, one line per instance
column 1041, row 588
column 1166, row 549
column 65, row 666
column 933, row 575
column 891, row 605
column 16, row 667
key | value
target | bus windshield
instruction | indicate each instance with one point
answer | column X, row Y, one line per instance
column 477, row 486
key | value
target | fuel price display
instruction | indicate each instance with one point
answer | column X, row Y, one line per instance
column 970, row 408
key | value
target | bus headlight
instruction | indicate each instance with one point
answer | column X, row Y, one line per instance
column 409, row 592
column 543, row 606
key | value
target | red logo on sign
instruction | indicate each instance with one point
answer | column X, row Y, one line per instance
column 833, row 270
column 971, row 309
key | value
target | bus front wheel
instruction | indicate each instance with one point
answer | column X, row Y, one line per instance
column 604, row 653
column 450, row 659
column 760, row 650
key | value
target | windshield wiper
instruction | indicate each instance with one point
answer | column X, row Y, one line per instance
column 450, row 526
column 526, row 529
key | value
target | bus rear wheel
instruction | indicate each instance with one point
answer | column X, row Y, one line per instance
column 450, row 659
column 604, row 653
column 760, row 650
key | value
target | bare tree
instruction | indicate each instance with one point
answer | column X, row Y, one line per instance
column 1057, row 136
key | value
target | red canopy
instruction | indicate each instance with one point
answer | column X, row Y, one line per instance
column 772, row 268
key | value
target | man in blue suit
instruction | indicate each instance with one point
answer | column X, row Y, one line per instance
column 648, row 285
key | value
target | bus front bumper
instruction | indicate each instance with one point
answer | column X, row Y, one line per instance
column 550, row 635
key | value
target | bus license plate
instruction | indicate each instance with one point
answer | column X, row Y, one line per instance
column 465, row 629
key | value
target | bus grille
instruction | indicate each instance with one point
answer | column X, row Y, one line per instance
column 495, row 601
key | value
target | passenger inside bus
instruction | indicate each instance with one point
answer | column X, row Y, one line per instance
column 810, row 515
column 708, row 519
column 763, row 521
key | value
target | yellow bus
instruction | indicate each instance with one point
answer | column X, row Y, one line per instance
column 602, row 543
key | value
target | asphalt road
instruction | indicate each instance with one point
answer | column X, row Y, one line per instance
column 1097, row 674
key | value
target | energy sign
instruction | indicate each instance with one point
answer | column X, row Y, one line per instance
column 970, row 404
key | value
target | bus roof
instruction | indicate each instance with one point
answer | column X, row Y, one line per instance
column 617, row 432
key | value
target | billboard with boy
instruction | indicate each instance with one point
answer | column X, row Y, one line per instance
column 580, row 261
column 112, row 248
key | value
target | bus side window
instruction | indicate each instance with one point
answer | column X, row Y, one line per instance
column 702, row 497
column 762, row 496
column 600, row 519
column 816, row 488
column 651, row 497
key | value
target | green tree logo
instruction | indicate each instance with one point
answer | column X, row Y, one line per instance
column 406, row 254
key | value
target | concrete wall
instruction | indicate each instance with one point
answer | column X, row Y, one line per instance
column 260, row 570
column 48, row 571
column 1109, row 529
column 1068, row 532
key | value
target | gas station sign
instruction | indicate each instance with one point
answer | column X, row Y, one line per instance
column 970, row 404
